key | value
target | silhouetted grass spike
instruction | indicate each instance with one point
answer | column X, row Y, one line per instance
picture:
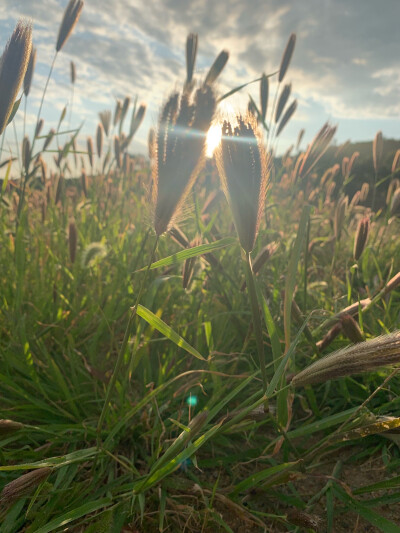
column 286, row 117
column 361, row 237
column 73, row 72
column 191, row 52
column 287, row 56
column 242, row 166
column 282, row 101
column 179, row 151
column 13, row 65
column 70, row 18
column 264, row 93
column 29, row 72
column 217, row 67
column 105, row 118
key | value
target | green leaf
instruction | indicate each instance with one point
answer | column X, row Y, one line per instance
column 14, row 110
column 181, row 256
column 377, row 520
column 70, row 516
column 263, row 475
column 167, row 331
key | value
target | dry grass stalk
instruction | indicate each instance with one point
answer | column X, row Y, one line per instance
column 179, row 237
column 345, row 166
column 282, row 101
column 72, row 241
column 179, row 152
column 396, row 161
column 392, row 284
column 361, row 357
column 191, row 53
column 150, row 142
column 264, row 92
column 377, row 151
column 287, row 56
column 304, row 520
column 351, row 329
column 217, row 67
column 105, row 118
column 13, row 65
column 29, row 72
column 9, row 426
column 361, row 237
column 329, row 337
column 286, row 117
column 243, row 168
column 23, row 485
column 70, row 18
column 99, row 139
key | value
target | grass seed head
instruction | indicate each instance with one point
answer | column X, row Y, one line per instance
column 362, row 357
column 73, row 72
column 361, row 237
column 290, row 111
column 282, row 101
column 264, row 92
column 23, row 485
column 395, row 204
column 217, row 67
column 377, row 150
column 99, row 139
column 13, row 65
column 29, row 72
column 90, row 150
column 137, row 119
column 105, row 118
column 191, row 53
column 9, row 426
column 179, row 148
column 26, row 153
column 70, row 18
column 287, row 56
column 243, row 168
column 396, row 161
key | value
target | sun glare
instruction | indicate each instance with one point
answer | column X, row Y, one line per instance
column 213, row 139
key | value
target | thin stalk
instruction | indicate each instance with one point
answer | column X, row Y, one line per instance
column 120, row 358
column 256, row 319
column 42, row 100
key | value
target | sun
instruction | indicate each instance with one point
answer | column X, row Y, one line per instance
column 213, row 139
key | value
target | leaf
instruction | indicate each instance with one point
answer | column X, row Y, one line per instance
column 70, row 516
column 14, row 110
column 167, row 331
column 181, row 256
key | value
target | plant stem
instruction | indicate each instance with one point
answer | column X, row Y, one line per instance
column 121, row 353
column 256, row 319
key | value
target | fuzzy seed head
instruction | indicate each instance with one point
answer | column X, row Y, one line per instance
column 70, row 18
column 243, row 168
column 29, row 72
column 179, row 148
column 13, row 65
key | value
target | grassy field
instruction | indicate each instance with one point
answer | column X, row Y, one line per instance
column 168, row 324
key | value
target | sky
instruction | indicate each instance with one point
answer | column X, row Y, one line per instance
column 345, row 68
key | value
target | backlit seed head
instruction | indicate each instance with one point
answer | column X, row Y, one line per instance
column 23, row 485
column 361, row 237
column 70, row 18
column 179, row 147
column 243, row 167
column 13, row 65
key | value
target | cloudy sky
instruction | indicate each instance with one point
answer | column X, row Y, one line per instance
column 346, row 65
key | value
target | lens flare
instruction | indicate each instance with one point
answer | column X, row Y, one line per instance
column 213, row 139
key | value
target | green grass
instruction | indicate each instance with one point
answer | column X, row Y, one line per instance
column 146, row 461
